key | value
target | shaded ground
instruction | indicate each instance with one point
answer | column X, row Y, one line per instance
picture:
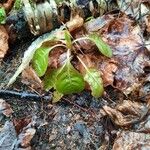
column 79, row 125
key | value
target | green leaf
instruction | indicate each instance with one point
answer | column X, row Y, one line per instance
column 40, row 60
column 18, row 4
column 93, row 78
column 56, row 97
column 2, row 15
column 68, row 39
column 69, row 80
column 29, row 53
column 102, row 46
column 50, row 79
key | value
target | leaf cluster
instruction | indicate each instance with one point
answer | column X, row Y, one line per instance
column 67, row 79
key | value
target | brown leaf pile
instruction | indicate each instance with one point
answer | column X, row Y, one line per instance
column 124, row 70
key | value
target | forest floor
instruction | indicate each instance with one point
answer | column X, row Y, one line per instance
column 119, row 120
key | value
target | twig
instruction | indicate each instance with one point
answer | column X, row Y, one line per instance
column 24, row 95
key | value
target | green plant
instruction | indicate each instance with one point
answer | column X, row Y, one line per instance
column 2, row 15
column 66, row 79
column 18, row 4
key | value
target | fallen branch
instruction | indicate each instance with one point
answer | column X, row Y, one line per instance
column 24, row 95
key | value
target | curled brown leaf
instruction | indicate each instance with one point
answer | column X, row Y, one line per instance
column 29, row 77
column 127, row 113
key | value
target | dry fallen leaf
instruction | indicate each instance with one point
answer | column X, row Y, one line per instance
column 127, row 113
column 26, row 136
column 144, row 126
column 127, row 140
column 3, row 42
column 29, row 77
column 107, row 67
column 147, row 21
column 5, row 108
column 126, row 40
column 10, row 139
column 124, row 69
column 7, row 136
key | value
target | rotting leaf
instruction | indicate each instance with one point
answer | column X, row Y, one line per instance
column 69, row 80
column 126, row 40
column 8, row 136
column 127, row 140
column 127, row 112
column 26, row 136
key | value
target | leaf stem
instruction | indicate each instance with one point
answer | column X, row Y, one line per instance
column 82, row 38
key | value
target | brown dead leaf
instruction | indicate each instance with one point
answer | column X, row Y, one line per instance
column 85, row 45
column 54, row 56
column 130, row 57
column 74, row 23
column 20, row 124
column 144, row 126
column 147, row 21
column 124, row 70
column 26, row 134
column 107, row 67
column 5, row 108
column 3, row 41
column 26, row 137
column 127, row 112
column 29, row 77
column 127, row 140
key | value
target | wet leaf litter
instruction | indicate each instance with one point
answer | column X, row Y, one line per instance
column 42, row 114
